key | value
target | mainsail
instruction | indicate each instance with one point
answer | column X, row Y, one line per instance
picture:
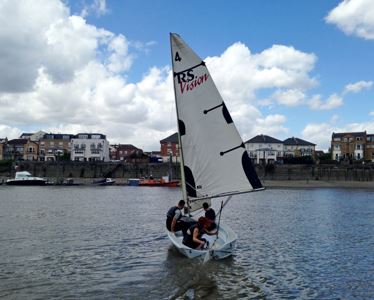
column 214, row 159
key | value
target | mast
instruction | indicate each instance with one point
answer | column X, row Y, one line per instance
column 184, row 190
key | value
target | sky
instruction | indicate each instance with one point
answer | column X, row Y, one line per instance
column 284, row 68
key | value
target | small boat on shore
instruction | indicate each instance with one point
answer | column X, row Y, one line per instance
column 105, row 181
column 25, row 178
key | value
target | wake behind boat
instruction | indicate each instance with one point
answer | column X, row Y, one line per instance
column 214, row 161
column 25, row 178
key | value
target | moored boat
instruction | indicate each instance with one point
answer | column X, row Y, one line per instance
column 25, row 178
column 158, row 182
column 105, row 181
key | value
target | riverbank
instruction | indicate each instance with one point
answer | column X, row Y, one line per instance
column 268, row 184
column 301, row 184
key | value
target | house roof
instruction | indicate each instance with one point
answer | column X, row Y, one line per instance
column 57, row 136
column 263, row 139
column 89, row 135
column 171, row 139
column 18, row 142
column 26, row 134
column 343, row 134
column 293, row 141
column 127, row 147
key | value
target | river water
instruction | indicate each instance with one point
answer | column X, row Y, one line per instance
column 110, row 243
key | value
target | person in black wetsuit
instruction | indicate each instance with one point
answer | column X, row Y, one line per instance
column 173, row 218
column 211, row 215
column 209, row 212
column 192, row 238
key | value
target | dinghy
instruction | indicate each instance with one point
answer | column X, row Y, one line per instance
column 214, row 161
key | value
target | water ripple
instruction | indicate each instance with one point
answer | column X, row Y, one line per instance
column 110, row 243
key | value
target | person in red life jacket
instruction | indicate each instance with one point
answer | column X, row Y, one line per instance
column 192, row 238
column 211, row 215
column 173, row 218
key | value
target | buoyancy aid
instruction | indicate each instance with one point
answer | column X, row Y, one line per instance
column 171, row 213
column 188, row 237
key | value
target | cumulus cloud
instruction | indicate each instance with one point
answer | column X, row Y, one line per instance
column 60, row 74
column 331, row 102
column 357, row 87
column 354, row 17
column 319, row 134
column 239, row 73
column 273, row 125
column 97, row 7
column 371, row 113
column 290, row 97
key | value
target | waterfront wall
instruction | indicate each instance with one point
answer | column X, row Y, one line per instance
column 122, row 171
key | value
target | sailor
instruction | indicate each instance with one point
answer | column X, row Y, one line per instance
column 210, row 214
column 173, row 218
column 193, row 238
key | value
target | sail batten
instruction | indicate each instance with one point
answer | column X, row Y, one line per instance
column 215, row 162
column 231, row 193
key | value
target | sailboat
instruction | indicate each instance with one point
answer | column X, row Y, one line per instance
column 214, row 161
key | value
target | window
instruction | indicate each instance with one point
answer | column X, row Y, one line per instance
column 83, row 136
column 358, row 147
column 337, row 147
column 337, row 139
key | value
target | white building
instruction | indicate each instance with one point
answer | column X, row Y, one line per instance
column 295, row 147
column 89, row 147
column 264, row 149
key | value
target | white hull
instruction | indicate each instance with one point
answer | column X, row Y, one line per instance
column 222, row 248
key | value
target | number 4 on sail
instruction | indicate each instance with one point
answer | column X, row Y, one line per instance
column 214, row 161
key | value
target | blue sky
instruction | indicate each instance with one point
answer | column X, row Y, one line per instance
column 284, row 68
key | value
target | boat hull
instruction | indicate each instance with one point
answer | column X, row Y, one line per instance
column 107, row 181
column 222, row 248
column 27, row 182
column 154, row 182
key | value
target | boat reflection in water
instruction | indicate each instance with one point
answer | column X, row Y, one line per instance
column 25, row 178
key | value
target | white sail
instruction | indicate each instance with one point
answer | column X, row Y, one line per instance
column 215, row 161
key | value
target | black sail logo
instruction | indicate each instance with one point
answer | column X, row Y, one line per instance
column 188, row 81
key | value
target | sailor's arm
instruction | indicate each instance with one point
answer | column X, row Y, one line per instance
column 173, row 223
column 195, row 238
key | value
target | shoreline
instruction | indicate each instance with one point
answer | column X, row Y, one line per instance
column 296, row 184
column 268, row 184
